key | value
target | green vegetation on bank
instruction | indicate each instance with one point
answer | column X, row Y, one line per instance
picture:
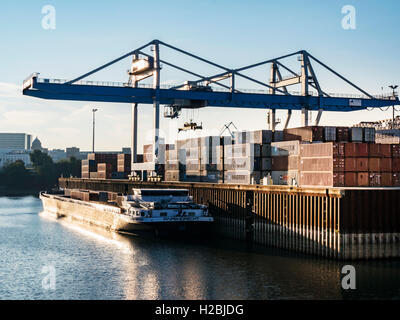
column 44, row 173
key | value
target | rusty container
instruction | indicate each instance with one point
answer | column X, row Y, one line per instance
column 362, row 164
column 350, row 179
column 350, row 164
column 386, row 165
column 350, row 150
column 396, row 164
column 374, row 164
column 386, row 150
column 387, row 179
column 362, row 150
column 363, row 179
column 374, row 150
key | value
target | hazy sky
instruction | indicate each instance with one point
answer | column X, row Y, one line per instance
column 232, row 33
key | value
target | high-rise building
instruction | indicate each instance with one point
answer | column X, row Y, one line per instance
column 15, row 141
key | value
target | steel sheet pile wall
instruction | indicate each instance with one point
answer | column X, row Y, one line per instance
column 370, row 224
column 332, row 223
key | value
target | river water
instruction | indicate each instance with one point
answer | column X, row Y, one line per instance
column 41, row 258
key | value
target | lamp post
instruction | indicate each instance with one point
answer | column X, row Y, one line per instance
column 393, row 87
column 93, row 111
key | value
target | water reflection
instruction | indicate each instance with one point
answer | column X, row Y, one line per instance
column 92, row 263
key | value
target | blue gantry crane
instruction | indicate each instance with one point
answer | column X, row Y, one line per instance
column 199, row 93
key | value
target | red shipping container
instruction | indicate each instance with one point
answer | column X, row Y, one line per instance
column 374, row 164
column 350, row 150
column 396, row 179
column 362, row 164
column 396, row 150
column 386, row 165
column 362, row 149
column 350, row 179
column 375, row 179
column 387, row 179
column 374, row 150
column 350, row 164
column 363, row 179
column 386, row 150
column 396, row 164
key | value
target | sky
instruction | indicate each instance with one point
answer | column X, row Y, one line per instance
column 232, row 33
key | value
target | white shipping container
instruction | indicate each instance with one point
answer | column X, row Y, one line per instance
column 290, row 178
column 242, row 177
column 242, row 150
column 285, row 148
column 245, row 163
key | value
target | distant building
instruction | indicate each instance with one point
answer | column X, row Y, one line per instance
column 57, row 154
column 36, row 144
column 14, row 147
column 15, row 141
column 73, row 152
column 7, row 157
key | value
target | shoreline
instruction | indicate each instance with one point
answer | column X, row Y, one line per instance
column 9, row 192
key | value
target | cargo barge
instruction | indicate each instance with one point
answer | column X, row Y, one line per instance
column 161, row 211
column 333, row 223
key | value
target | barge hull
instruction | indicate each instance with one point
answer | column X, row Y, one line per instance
column 334, row 223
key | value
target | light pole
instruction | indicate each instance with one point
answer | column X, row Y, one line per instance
column 93, row 111
column 393, row 87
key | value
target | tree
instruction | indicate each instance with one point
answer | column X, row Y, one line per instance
column 15, row 175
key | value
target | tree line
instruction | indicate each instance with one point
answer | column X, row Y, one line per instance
column 43, row 175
